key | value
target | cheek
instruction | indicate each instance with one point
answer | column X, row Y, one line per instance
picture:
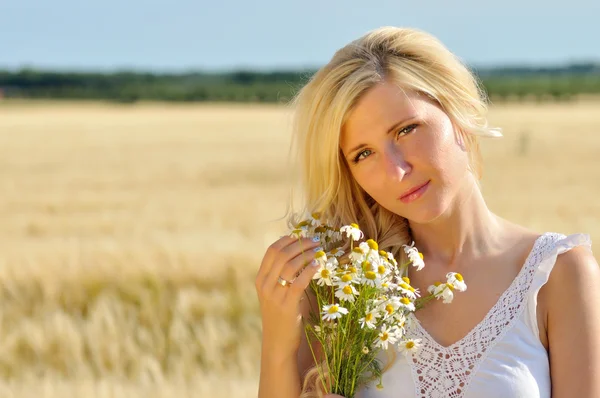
column 445, row 155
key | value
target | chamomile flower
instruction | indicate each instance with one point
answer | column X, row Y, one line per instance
column 344, row 280
column 358, row 255
column 324, row 275
column 315, row 219
column 457, row 281
column 331, row 312
column 352, row 231
column 389, row 307
column 321, row 257
column 414, row 256
column 382, row 270
column 408, row 290
column 406, row 303
column 337, row 252
column 346, row 293
column 353, row 272
column 447, row 294
column 387, row 335
column 409, row 346
column 400, row 322
column 436, row 288
column 334, row 235
column 369, row 319
column 365, row 350
column 391, row 259
column 370, row 278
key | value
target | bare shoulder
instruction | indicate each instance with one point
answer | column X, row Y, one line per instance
column 573, row 323
column 575, row 270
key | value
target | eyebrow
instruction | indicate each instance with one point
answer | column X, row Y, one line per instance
column 393, row 127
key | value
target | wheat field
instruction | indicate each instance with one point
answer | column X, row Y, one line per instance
column 131, row 234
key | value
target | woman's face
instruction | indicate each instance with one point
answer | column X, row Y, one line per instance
column 396, row 141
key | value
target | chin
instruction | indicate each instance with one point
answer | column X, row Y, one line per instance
column 424, row 212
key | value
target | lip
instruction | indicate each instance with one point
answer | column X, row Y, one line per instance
column 414, row 193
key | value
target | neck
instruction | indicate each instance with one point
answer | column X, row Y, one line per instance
column 465, row 231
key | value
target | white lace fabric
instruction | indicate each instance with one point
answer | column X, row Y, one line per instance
column 438, row 371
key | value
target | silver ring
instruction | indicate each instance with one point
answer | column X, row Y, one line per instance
column 283, row 282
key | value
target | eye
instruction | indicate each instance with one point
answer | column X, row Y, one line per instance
column 361, row 155
column 402, row 132
column 406, row 130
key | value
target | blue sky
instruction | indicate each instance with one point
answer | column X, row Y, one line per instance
column 222, row 35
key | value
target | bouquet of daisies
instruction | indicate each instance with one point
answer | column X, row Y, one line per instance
column 364, row 299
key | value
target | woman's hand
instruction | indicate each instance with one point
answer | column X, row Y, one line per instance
column 288, row 258
column 333, row 396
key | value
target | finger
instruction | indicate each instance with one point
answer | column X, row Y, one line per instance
column 278, row 253
column 292, row 268
column 300, row 253
column 270, row 256
column 296, row 289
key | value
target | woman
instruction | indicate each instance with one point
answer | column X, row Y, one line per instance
column 387, row 136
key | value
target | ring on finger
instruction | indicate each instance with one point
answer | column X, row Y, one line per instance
column 283, row 282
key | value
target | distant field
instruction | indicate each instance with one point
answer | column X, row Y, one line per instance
column 131, row 235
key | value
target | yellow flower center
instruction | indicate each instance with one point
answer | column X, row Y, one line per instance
column 381, row 269
column 333, row 309
column 459, row 277
column 407, row 287
column 383, row 253
column 320, row 254
column 357, row 250
column 372, row 244
column 352, row 270
column 410, row 344
column 302, row 224
column 346, row 278
column 370, row 275
column 354, row 225
column 405, row 300
column 436, row 284
column 384, row 336
column 325, row 273
column 366, row 266
column 450, row 285
column 406, row 280
column 347, row 289
column 316, row 216
column 369, row 317
column 421, row 255
column 389, row 309
column 321, row 229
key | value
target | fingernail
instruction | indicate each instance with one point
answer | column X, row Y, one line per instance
column 317, row 249
column 316, row 239
column 314, row 263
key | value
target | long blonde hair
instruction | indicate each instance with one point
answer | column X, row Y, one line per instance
column 411, row 59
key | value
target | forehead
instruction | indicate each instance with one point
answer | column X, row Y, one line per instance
column 378, row 109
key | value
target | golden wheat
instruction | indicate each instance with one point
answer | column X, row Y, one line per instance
column 131, row 235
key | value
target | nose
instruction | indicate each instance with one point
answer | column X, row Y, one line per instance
column 395, row 164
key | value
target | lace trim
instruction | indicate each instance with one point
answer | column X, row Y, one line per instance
column 440, row 371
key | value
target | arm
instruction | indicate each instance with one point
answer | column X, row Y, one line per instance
column 573, row 325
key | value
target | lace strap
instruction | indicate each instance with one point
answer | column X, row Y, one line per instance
column 555, row 245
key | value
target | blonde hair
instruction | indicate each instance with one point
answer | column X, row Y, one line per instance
column 411, row 59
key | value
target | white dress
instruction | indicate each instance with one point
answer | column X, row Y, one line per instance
column 501, row 357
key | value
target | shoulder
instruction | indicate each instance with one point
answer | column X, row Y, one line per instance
column 573, row 318
column 575, row 268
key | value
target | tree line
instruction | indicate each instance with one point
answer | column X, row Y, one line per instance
column 559, row 83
